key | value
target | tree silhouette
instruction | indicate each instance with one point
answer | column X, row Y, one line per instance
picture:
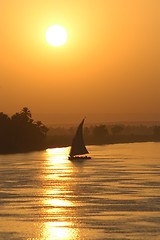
column 20, row 133
column 156, row 132
column 5, row 127
column 100, row 133
column 26, row 112
column 117, row 129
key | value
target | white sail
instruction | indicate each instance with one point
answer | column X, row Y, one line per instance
column 78, row 146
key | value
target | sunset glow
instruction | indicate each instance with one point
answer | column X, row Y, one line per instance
column 104, row 57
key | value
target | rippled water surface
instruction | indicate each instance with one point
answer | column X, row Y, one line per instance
column 115, row 195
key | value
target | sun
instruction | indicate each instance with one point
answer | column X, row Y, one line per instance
column 56, row 35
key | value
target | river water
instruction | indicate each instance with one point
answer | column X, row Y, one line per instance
column 115, row 195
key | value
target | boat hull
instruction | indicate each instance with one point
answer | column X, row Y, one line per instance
column 78, row 158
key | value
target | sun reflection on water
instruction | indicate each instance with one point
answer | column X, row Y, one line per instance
column 58, row 202
column 57, row 162
column 60, row 154
column 59, row 231
column 58, row 224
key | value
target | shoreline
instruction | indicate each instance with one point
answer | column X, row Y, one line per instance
column 67, row 145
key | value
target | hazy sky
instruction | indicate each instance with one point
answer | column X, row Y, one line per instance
column 110, row 65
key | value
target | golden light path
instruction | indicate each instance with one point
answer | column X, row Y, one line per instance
column 59, row 231
column 60, row 153
column 56, row 205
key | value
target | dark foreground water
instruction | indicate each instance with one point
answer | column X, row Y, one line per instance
column 115, row 195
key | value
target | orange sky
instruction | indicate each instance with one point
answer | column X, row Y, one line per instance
column 109, row 67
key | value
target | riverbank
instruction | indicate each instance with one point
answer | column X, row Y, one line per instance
column 67, row 140
column 93, row 135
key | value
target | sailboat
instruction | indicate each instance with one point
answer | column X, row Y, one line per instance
column 78, row 147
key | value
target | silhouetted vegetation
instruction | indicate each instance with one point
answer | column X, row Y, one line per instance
column 116, row 129
column 100, row 134
column 156, row 132
column 105, row 134
column 20, row 133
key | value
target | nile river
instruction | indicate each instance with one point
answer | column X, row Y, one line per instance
column 115, row 195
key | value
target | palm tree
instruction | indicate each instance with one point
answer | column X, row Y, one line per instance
column 26, row 113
